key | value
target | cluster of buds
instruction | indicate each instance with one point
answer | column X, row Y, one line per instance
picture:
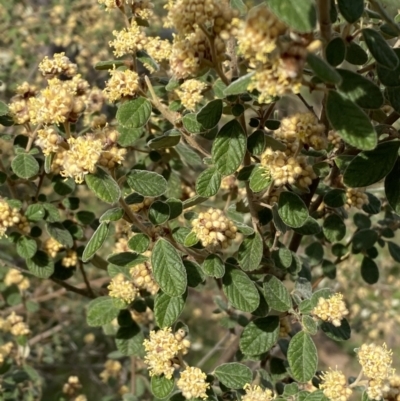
column 49, row 140
column 356, row 197
column 376, row 362
column 15, row 325
column 112, row 368
column 19, row 104
column 122, row 84
column 392, row 393
column 70, row 259
column 142, row 276
column 51, row 246
column 139, row 8
column 13, row 276
column 128, row 41
column 190, row 93
column 141, row 206
column 331, row 310
column 162, row 348
column 299, row 129
column 5, row 351
column 72, row 386
column 59, row 65
column 143, row 318
column 284, row 169
column 11, row 217
column 192, row 383
column 334, row 385
column 122, row 288
column 335, row 139
column 214, row 229
column 256, row 393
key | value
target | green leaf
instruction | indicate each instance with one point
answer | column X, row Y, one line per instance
column 60, row 234
column 35, row 212
column 159, row 213
column 135, row 113
column 128, row 136
column 208, row 182
column 392, row 187
column 335, row 51
column 335, row 198
column 240, row 290
column 256, row 142
column 250, row 252
column 188, row 155
column 161, row 387
column 260, row 335
column 369, row 271
column 315, row 253
column 25, row 166
column 229, row 148
column 351, row 10
column 259, row 179
column 191, row 124
column 301, row 16
column 350, row 122
column 40, row 265
column 334, row 228
column 146, row 183
column 103, row 186
column 374, row 205
column 144, row 58
column 113, row 214
column 276, row 294
column 175, row 207
column 292, row 209
column 233, row 375
column 341, row 333
column 85, row 217
column 26, row 247
column 168, row 269
column 210, row 114
column 95, row 242
column 282, row 257
column 52, row 213
column 309, row 325
column 364, row 239
column 239, row 86
column 139, row 243
column 393, row 95
column 109, row 64
column 360, row 90
column 302, row 357
column 323, row 70
column 3, row 109
column 126, row 259
column 195, row 274
column 387, row 76
column 133, row 344
column 310, row 227
column 168, row 140
column 167, row 309
column 394, row 251
column 213, row 266
column 380, row 49
column 274, row 144
column 101, row 311
column 63, row 186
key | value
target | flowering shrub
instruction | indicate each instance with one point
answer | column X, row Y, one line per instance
column 247, row 161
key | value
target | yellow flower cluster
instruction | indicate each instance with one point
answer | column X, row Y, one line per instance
column 128, row 41
column 121, row 84
column 331, row 310
column 72, row 386
column 15, row 325
column 334, row 138
column 51, row 246
column 301, row 128
column 334, row 385
column 122, row 288
column 214, row 229
column 70, row 259
column 257, row 37
column 13, row 276
column 192, row 383
column 59, row 65
column 256, row 393
column 19, row 104
column 190, row 93
column 11, row 217
column 112, row 368
column 49, row 140
column 5, row 351
column 139, row 8
column 137, row 207
column 356, row 197
column 142, row 276
column 143, row 318
column 376, row 362
column 192, row 52
column 161, row 349
column 285, row 169
column 158, row 50
column 393, row 392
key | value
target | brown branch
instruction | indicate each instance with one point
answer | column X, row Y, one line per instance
column 324, row 20
column 47, row 333
column 391, row 118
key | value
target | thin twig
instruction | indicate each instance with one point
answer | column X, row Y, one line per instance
column 382, row 12
column 85, row 279
column 324, row 20
column 133, row 375
column 309, row 107
column 214, row 349
column 47, row 333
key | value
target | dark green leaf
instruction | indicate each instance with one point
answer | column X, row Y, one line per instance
column 208, row 182
column 63, row 186
column 350, row 122
column 214, row 266
column 374, row 205
column 292, row 209
column 35, row 212
column 40, row 265
column 167, row 309
column 144, row 58
column 310, row 227
column 239, row 86
column 159, row 213
column 103, row 186
column 95, row 242
column 351, row 10
column 168, row 140
column 139, row 243
column 393, row 95
column 333, row 228
column 392, row 187
column 276, row 294
column 335, row 198
column 146, row 183
column 135, row 113
column 26, row 247
column 101, row 311
column 210, row 114
column 60, row 234
column 335, row 51
column 256, row 142
column 109, row 64
column 161, row 387
column 394, row 251
column 113, row 214
column 369, row 271
column 191, row 124
column 387, row 76
column 250, row 252
column 341, row 333
column 323, row 70
column 364, row 239
column 128, row 136
column 260, row 179
column 25, row 166
column 233, row 375
column 315, row 253
column 126, row 259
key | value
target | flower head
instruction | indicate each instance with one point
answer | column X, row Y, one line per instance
column 122, row 289
column 59, row 65
column 13, row 276
column 190, row 93
column 256, row 393
column 48, row 139
column 334, row 385
column 121, row 83
column 192, row 383
column 142, row 275
column 111, row 369
column 376, row 361
column 331, row 310
column 128, row 41
column 356, row 197
column 11, row 217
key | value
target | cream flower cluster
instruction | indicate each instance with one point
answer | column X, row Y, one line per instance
column 334, row 138
column 51, row 246
column 256, row 393
column 11, row 217
column 14, row 276
column 331, row 310
column 392, row 393
column 72, row 385
column 334, row 385
column 14, row 324
column 376, row 362
column 122, row 288
column 356, row 197
column 139, row 8
column 142, row 276
column 162, row 348
column 192, row 383
column 70, row 259
column 112, row 368
column 190, row 93
column 214, row 229
column 19, row 104
column 5, row 351
column 121, row 84
column 59, row 65
column 49, row 140
column 128, row 40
